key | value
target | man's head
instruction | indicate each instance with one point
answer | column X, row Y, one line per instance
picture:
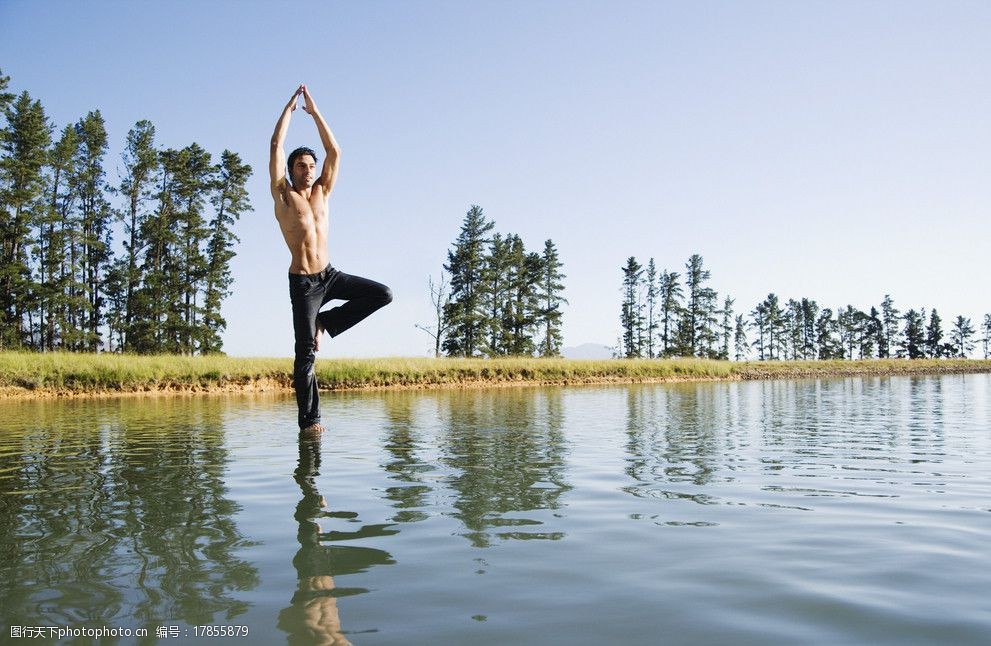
column 302, row 165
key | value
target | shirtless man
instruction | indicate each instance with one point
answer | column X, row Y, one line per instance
column 301, row 209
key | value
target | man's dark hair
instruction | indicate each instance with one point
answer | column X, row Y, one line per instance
column 302, row 150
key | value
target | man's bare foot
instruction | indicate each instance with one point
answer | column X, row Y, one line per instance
column 313, row 430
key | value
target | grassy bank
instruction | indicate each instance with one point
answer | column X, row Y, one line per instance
column 64, row 374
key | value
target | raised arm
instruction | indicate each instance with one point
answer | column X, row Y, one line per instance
column 277, row 156
column 328, row 175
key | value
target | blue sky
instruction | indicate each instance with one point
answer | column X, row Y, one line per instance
column 832, row 150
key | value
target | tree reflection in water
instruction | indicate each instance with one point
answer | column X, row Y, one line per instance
column 506, row 451
column 113, row 512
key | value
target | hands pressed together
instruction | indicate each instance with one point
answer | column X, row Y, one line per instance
column 309, row 106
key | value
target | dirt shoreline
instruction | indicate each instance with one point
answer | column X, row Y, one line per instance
column 284, row 386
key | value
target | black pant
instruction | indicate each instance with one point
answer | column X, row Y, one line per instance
column 308, row 293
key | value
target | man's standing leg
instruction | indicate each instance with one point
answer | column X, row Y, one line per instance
column 306, row 294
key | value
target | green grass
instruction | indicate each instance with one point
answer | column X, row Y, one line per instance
column 67, row 373
column 63, row 371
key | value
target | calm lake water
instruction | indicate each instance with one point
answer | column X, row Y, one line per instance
column 845, row 511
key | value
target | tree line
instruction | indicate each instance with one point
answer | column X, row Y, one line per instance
column 62, row 284
column 496, row 298
column 668, row 314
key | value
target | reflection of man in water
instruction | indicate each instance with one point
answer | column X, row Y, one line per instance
column 313, row 617
column 301, row 209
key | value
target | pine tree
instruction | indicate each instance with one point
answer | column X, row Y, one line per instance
column 669, row 292
column 871, row 331
column 196, row 177
column 141, row 163
column 95, row 219
column 826, row 336
column 549, row 290
column 521, row 314
column 726, row 328
column 961, row 344
column 153, row 302
column 890, row 318
column 794, row 317
column 698, row 329
column 934, row 336
column 740, row 338
column 495, row 295
column 230, row 200
column 759, row 315
column 176, row 265
column 173, row 270
column 23, row 152
column 115, row 287
column 914, row 335
column 779, row 328
column 770, row 322
column 74, row 303
column 631, row 316
column 810, row 314
column 465, row 264
column 651, row 327
column 56, row 232
column 850, row 324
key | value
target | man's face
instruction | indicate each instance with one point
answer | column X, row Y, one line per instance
column 304, row 171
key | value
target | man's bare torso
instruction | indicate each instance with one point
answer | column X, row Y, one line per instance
column 304, row 226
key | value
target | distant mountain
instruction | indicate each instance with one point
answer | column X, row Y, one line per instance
column 587, row 351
